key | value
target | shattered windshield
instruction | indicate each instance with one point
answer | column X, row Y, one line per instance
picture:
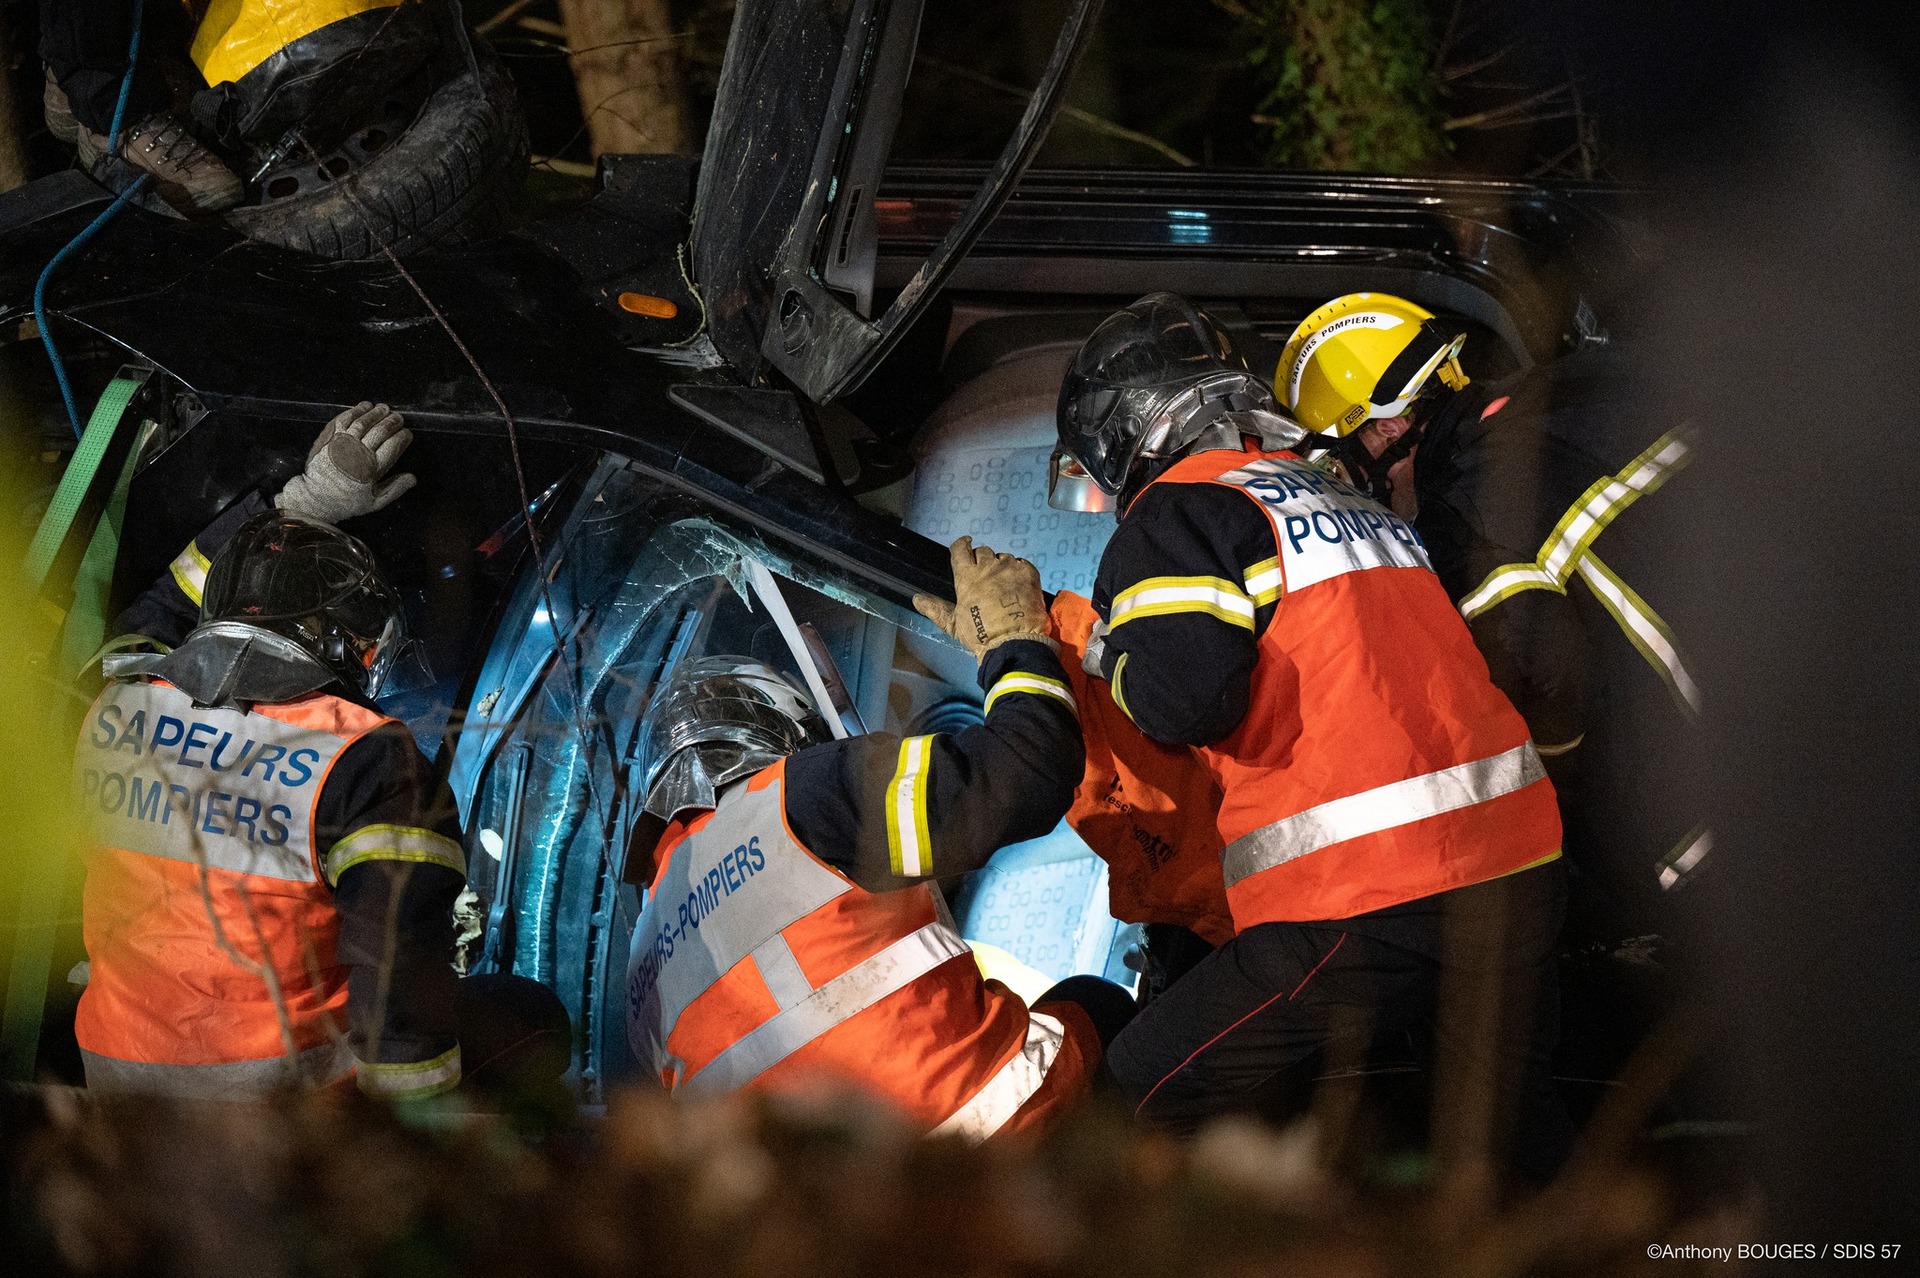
column 547, row 769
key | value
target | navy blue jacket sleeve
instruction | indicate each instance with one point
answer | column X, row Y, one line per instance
column 889, row 811
column 396, row 911
column 1175, row 584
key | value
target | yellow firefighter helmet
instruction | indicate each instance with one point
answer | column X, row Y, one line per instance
column 1365, row 356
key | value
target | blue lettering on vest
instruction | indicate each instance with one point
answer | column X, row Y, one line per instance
column 305, row 767
column 147, row 801
column 195, row 743
column 160, row 738
column 213, row 809
column 245, row 812
column 135, row 734
column 268, row 756
column 226, row 739
column 275, row 834
column 101, row 726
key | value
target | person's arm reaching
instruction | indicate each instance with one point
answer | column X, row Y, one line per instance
column 389, row 845
column 345, row 476
column 1187, row 586
column 890, row 811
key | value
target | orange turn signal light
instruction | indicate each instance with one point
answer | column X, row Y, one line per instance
column 648, row 304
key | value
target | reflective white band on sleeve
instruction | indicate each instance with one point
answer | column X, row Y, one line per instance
column 909, row 843
column 393, row 843
column 1382, row 808
column 1011, row 1086
column 1583, row 521
column 1643, row 628
column 1163, row 596
column 1686, row 858
column 414, row 1080
column 1038, row 685
column 189, row 570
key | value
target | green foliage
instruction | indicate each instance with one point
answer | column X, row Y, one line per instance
column 1350, row 83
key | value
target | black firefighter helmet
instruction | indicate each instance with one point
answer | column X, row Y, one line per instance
column 293, row 601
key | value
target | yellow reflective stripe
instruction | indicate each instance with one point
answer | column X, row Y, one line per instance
column 413, row 1080
column 1119, row 698
column 909, row 845
column 393, row 843
column 1551, row 751
column 1264, row 581
column 1548, row 859
column 1161, row 596
column 189, row 570
column 1586, row 519
column 1039, row 685
column 238, row 35
column 1644, row 627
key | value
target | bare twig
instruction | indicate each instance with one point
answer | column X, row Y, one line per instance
column 1465, row 69
column 503, row 17
column 1098, row 123
column 1509, row 113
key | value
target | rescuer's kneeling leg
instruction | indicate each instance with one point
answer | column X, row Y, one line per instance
column 1498, row 1021
column 1082, row 1014
column 515, row 1037
column 1264, row 1001
column 1108, row 1006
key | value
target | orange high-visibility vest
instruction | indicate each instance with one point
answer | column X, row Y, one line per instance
column 756, row 964
column 1145, row 808
column 209, row 923
column 1377, row 763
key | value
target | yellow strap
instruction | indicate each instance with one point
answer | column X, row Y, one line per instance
column 1644, row 627
column 1264, row 581
column 1038, row 685
column 393, row 843
column 909, row 843
column 1162, row 596
column 189, row 570
column 410, row 1080
column 1568, row 549
column 1583, row 521
column 1119, row 698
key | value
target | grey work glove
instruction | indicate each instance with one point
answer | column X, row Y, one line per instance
column 346, row 464
column 996, row 599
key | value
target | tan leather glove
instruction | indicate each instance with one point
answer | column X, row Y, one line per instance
column 996, row 599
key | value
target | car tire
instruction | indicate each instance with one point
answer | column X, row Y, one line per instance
column 449, row 176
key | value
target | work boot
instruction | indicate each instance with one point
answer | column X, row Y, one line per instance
column 185, row 174
column 59, row 110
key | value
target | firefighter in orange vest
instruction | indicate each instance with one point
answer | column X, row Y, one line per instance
column 792, row 931
column 272, row 863
column 1291, row 631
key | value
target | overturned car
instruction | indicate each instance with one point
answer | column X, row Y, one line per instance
column 643, row 438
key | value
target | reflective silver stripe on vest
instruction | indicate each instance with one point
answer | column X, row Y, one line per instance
column 727, row 890
column 1012, row 1085
column 845, row 996
column 230, row 790
column 232, row 1080
column 1382, row 808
